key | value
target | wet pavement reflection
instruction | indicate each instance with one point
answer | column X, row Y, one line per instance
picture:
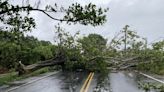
column 124, row 82
column 73, row 81
column 60, row 82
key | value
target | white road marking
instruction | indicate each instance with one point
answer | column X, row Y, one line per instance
column 31, row 82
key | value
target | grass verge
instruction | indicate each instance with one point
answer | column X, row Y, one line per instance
column 13, row 76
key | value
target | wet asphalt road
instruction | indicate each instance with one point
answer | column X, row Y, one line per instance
column 121, row 82
column 73, row 81
column 60, row 82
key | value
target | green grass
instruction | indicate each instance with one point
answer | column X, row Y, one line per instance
column 4, row 79
column 39, row 71
column 13, row 76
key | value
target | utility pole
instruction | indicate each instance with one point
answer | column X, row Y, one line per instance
column 145, row 43
column 145, row 47
column 125, row 39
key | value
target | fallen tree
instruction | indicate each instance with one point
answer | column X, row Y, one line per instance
column 22, row 69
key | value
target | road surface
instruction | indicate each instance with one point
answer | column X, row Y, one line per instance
column 73, row 82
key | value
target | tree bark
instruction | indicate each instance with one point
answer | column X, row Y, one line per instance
column 22, row 69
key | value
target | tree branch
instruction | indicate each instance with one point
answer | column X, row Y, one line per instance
column 40, row 10
column 43, row 11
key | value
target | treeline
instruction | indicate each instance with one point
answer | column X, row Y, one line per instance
column 88, row 52
column 76, row 53
column 27, row 49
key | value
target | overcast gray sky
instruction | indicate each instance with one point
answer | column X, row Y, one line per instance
column 146, row 17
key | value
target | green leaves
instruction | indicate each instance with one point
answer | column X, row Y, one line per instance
column 26, row 49
column 93, row 45
column 8, row 54
column 12, row 16
column 88, row 14
column 77, row 52
column 159, row 45
column 17, row 21
column 44, row 52
column 134, row 43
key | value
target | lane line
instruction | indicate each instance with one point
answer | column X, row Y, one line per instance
column 148, row 76
column 85, row 83
column 87, row 87
column 31, row 82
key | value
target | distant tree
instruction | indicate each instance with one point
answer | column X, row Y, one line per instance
column 8, row 54
column 44, row 52
column 128, row 39
column 159, row 45
column 29, row 51
column 93, row 52
column 93, row 45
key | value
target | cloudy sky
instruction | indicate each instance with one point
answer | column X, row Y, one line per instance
column 146, row 17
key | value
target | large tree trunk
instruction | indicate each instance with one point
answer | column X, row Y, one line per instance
column 22, row 69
